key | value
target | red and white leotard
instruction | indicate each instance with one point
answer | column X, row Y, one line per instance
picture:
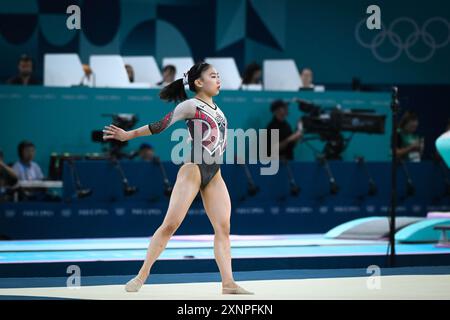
column 202, row 120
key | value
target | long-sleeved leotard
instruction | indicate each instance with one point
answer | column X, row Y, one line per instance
column 207, row 121
column 184, row 110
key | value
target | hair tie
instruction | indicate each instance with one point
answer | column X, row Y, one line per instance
column 185, row 78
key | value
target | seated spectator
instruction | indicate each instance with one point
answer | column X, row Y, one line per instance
column 287, row 138
column 146, row 152
column 410, row 146
column 26, row 168
column 168, row 75
column 8, row 178
column 307, row 79
column 25, row 76
column 130, row 72
column 252, row 75
column 88, row 77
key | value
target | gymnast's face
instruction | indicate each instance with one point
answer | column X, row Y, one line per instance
column 209, row 82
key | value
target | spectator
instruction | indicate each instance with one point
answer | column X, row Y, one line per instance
column 8, row 178
column 252, row 74
column 169, row 72
column 26, row 168
column 88, row 77
column 146, row 152
column 130, row 72
column 410, row 146
column 25, row 76
column 307, row 79
column 287, row 138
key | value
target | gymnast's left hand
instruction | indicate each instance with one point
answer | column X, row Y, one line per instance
column 116, row 133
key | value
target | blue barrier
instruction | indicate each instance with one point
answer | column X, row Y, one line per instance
column 108, row 213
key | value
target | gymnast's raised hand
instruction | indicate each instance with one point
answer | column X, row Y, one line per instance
column 113, row 132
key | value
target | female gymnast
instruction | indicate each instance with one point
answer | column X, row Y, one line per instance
column 207, row 128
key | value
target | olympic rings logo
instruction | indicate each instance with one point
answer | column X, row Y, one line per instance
column 405, row 45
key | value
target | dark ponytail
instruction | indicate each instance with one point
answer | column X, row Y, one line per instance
column 175, row 90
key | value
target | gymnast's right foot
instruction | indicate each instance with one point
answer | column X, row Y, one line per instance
column 135, row 284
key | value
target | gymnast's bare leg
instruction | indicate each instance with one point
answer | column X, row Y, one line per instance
column 186, row 188
column 216, row 201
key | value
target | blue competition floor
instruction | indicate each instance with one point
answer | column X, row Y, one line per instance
column 199, row 247
column 195, row 254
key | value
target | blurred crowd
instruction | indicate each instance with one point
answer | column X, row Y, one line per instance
column 251, row 77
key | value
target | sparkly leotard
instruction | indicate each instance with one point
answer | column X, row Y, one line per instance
column 207, row 127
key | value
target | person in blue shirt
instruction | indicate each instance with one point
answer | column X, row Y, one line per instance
column 28, row 170
column 25, row 167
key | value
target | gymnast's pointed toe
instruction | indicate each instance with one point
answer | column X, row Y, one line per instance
column 134, row 285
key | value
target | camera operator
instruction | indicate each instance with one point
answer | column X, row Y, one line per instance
column 410, row 145
column 146, row 152
column 288, row 138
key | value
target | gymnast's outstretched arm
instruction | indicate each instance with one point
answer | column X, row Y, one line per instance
column 184, row 110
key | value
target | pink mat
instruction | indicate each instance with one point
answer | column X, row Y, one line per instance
column 438, row 215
